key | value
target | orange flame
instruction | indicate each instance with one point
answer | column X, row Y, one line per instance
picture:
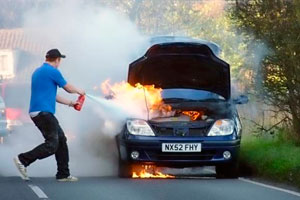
column 148, row 93
column 193, row 114
column 144, row 174
column 150, row 172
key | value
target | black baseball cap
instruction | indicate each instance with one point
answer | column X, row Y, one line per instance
column 54, row 53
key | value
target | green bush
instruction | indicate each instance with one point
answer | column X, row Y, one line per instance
column 275, row 158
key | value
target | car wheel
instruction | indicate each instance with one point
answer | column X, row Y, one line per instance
column 230, row 170
column 125, row 169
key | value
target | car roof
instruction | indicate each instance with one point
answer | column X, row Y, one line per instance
column 179, row 39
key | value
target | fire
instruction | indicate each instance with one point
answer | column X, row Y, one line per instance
column 150, row 172
column 147, row 94
column 139, row 91
column 144, row 174
column 193, row 114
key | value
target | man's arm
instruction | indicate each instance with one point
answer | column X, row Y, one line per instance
column 64, row 101
column 72, row 89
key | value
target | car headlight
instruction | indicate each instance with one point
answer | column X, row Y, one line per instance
column 222, row 127
column 238, row 126
column 139, row 127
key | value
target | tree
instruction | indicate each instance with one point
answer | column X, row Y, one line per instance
column 196, row 18
column 277, row 23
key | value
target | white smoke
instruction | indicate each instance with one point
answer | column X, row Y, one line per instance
column 99, row 44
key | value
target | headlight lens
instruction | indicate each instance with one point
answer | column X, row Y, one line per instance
column 238, row 126
column 139, row 127
column 222, row 127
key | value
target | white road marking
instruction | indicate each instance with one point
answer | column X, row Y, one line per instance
column 38, row 191
column 264, row 185
column 270, row 186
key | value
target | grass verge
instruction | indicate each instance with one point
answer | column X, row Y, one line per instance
column 274, row 158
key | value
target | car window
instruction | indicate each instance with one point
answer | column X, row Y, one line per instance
column 190, row 94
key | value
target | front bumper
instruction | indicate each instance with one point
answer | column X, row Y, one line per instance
column 150, row 151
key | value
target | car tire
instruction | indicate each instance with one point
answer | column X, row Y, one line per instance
column 230, row 170
column 125, row 169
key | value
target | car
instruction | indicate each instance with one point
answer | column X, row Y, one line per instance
column 205, row 129
column 3, row 122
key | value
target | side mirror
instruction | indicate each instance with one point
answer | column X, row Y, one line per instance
column 242, row 99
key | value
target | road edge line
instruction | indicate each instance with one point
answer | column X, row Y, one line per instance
column 270, row 187
column 38, row 191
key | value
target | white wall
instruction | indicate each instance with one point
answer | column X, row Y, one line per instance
column 7, row 69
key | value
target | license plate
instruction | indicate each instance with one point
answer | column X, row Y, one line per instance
column 181, row 147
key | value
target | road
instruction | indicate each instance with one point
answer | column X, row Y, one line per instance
column 113, row 188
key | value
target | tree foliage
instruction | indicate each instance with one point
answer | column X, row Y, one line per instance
column 196, row 18
column 277, row 23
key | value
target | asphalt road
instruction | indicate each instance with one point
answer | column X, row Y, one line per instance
column 112, row 188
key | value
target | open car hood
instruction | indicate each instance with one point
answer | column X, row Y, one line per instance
column 182, row 65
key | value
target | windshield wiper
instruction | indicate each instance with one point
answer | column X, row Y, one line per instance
column 191, row 100
column 210, row 100
column 178, row 99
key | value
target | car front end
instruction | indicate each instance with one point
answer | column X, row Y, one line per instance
column 179, row 144
column 200, row 125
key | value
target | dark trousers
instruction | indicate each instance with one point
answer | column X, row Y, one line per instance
column 55, row 143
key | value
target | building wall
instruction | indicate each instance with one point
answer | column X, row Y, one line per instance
column 7, row 64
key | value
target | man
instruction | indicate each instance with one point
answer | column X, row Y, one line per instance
column 45, row 80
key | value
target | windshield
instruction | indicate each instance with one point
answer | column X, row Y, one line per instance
column 190, row 94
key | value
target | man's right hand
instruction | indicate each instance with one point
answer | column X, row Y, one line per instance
column 80, row 92
column 73, row 104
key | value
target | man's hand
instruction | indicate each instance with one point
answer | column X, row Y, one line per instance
column 64, row 101
column 73, row 104
column 80, row 92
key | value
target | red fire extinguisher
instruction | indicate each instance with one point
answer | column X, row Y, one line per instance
column 79, row 102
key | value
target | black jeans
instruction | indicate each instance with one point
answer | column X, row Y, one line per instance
column 55, row 143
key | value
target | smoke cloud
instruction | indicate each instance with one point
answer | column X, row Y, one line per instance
column 99, row 44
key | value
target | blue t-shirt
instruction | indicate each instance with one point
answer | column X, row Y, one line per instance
column 44, row 82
